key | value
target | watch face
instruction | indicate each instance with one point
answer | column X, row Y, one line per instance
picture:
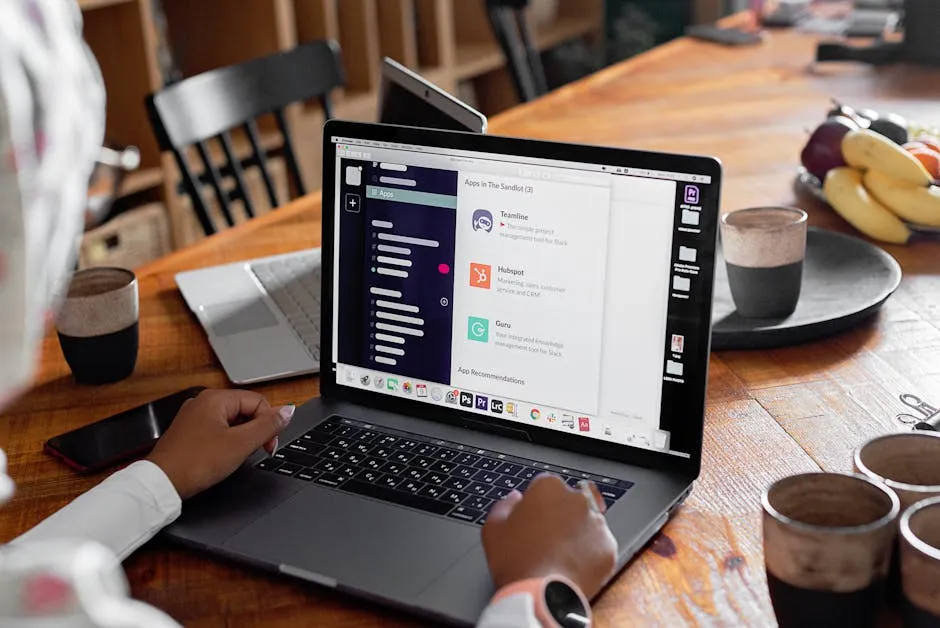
column 565, row 605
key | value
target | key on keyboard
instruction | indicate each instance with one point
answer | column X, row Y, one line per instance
column 293, row 283
column 414, row 471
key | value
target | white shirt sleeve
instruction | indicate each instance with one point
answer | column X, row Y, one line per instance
column 140, row 500
column 122, row 513
column 514, row 611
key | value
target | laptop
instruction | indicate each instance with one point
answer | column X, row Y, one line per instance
column 262, row 317
column 407, row 98
column 492, row 309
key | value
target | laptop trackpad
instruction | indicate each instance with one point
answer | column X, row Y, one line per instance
column 369, row 546
column 236, row 317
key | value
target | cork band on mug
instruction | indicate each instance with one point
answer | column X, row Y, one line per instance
column 920, row 555
column 100, row 301
column 828, row 531
column 746, row 242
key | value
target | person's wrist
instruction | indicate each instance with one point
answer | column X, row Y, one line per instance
column 170, row 474
column 558, row 601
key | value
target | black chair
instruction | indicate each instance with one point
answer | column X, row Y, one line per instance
column 507, row 17
column 212, row 104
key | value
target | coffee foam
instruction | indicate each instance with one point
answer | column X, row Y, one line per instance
column 100, row 301
column 763, row 240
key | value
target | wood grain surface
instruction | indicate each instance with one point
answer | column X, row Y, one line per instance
column 770, row 413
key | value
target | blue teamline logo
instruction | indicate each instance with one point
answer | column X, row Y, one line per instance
column 482, row 220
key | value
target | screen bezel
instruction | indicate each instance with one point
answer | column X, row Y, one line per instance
column 419, row 87
column 616, row 157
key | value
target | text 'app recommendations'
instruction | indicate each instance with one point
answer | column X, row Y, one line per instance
column 530, row 268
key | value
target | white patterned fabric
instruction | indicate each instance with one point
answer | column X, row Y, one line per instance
column 52, row 107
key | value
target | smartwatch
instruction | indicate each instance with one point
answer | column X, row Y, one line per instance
column 558, row 601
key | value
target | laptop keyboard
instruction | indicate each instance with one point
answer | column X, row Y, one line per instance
column 293, row 283
column 435, row 476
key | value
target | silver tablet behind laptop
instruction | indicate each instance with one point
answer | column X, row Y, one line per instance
column 262, row 316
column 408, row 99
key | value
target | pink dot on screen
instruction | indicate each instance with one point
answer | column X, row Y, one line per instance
column 443, row 269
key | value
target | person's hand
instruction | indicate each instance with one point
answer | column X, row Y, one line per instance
column 552, row 530
column 213, row 434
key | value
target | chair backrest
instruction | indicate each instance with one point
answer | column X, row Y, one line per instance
column 512, row 32
column 212, row 104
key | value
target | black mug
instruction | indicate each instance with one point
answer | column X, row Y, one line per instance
column 764, row 249
column 98, row 325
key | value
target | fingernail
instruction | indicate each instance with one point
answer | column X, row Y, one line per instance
column 287, row 413
column 274, row 446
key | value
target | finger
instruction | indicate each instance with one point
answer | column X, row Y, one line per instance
column 262, row 428
column 547, row 482
column 241, row 405
column 593, row 495
column 501, row 510
column 270, row 446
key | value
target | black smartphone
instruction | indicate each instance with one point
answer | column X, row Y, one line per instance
column 118, row 438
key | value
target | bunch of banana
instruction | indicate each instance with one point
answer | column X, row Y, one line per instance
column 882, row 186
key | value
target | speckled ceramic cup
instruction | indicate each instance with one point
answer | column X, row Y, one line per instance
column 764, row 249
column 827, row 548
column 98, row 325
column 920, row 564
column 908, row 463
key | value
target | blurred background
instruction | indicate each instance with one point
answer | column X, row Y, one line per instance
column 144, row 45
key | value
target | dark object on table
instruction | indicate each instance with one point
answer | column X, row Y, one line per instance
column 512, row 31
column 725, row 36
column 921, row 24
column 119, row 438
column 212, row 104
column 845, row 281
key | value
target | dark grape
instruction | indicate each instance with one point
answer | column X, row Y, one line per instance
column 892, row 126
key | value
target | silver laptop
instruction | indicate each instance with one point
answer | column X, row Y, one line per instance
column 493, row 308
column 262, row 317
column 409, row 99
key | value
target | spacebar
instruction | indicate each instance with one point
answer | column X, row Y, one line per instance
column 396, row 497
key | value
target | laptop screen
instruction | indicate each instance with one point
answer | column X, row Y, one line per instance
column 567, row 296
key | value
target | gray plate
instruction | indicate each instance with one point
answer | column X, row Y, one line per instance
column 845, row 280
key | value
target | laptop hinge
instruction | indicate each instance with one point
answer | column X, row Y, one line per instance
column 499, row 430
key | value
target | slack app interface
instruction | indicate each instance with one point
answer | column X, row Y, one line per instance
column 530, row 267
column 396, row 278
column 568, row 299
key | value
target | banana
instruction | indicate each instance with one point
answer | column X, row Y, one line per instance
column 867, row 150
column 847, row 195
column 913, row 203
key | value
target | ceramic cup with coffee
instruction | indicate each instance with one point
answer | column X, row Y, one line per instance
column 98, row 325
column 764, row 249
column 908, row 463
column 920, row 564
column 828, row 539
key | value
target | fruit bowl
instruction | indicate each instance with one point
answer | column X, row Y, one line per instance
column 813, row 186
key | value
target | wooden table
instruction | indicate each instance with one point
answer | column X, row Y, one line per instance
column 770, row 413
